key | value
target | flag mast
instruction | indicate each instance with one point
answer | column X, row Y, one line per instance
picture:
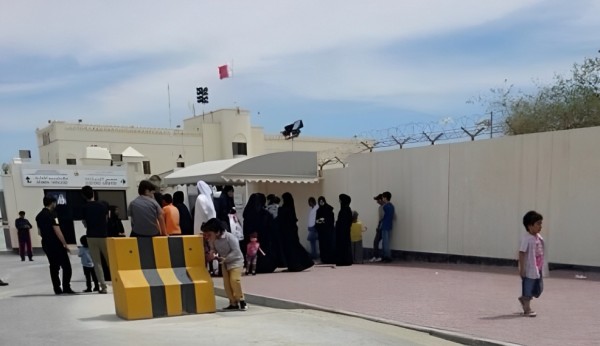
column 169, row 97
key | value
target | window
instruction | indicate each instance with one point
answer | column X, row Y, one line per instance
column 71, row 161
column 180, row 164
column 116, row 198
column 71, row 201
column 239, row 149
column 146, row 165
column 116, row 159
column 68, row 209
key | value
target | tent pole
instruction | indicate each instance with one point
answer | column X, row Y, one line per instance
column 246, row 196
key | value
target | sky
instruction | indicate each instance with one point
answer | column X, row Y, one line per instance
column 345, row 67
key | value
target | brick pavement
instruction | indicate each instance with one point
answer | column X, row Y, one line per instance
column 476, row 300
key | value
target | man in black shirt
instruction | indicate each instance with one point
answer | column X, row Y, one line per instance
column 185, row 218
column 23, row 226
column 95, row 219
column 55, row 246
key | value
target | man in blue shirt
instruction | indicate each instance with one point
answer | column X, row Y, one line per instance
column 387, row 223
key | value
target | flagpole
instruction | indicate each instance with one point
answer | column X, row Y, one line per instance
column 169, row 96
column 235, row 102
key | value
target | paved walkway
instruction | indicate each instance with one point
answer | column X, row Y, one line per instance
column 31, row 314
column 480, row 301
column 472, row 304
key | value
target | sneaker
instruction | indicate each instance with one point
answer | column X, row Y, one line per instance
column 30, row 259
column 69, row 291
column 87, row 290
column 243, row 305
column 386, row 260
column 103, row 291
column 232, row 307
column 96, row 289
column 2, row 283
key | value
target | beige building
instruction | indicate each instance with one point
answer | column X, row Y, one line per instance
column 457, row 199
column 223, row 134
column 113, row 159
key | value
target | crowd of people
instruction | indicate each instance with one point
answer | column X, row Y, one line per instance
column 267, row 238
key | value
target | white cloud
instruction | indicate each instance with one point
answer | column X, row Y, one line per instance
column 310, row 50
column 95, row 31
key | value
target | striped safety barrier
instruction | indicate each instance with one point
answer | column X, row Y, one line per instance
column 160, row 276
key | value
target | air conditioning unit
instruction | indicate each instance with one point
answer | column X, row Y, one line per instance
column 25, row 155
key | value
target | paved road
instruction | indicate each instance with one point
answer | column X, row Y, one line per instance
column 31, row 315
column 473, row 300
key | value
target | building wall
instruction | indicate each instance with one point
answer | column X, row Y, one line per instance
column 206, row 137
column 29, row 199
column 469, row 198
column 301, row 192
column 160, row 146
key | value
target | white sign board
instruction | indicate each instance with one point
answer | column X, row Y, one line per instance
column 50, row 177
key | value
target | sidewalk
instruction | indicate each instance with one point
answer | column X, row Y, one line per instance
column 32, row 314
column 478, row 303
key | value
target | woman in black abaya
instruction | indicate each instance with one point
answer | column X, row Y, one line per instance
column 296, row 256
column 343, row 245
column 326, row 229
column 257, row 219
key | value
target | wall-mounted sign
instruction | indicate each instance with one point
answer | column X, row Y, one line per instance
column 49, row 177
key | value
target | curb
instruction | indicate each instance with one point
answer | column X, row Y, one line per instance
column 277, row 303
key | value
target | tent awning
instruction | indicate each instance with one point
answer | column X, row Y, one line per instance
column 281, row 167
column 269, row 179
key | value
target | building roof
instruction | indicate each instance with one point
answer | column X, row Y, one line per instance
column 280, row 167
column 131, row 152
column 97, row 153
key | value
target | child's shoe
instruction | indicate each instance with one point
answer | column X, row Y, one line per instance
column 232, row 307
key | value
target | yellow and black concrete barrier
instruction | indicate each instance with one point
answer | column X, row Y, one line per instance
column 160, row 276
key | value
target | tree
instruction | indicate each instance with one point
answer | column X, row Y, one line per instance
column 567, row 103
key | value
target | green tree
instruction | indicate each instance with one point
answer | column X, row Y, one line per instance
column 567, row 103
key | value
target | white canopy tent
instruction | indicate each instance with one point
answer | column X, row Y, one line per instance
column 280, row 167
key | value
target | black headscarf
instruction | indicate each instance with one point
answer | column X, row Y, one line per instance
column 345, row 200
column 288, row 205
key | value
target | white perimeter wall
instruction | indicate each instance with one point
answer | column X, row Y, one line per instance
column 469, row 198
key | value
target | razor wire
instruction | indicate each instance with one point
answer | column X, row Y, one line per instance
column 413, row 134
